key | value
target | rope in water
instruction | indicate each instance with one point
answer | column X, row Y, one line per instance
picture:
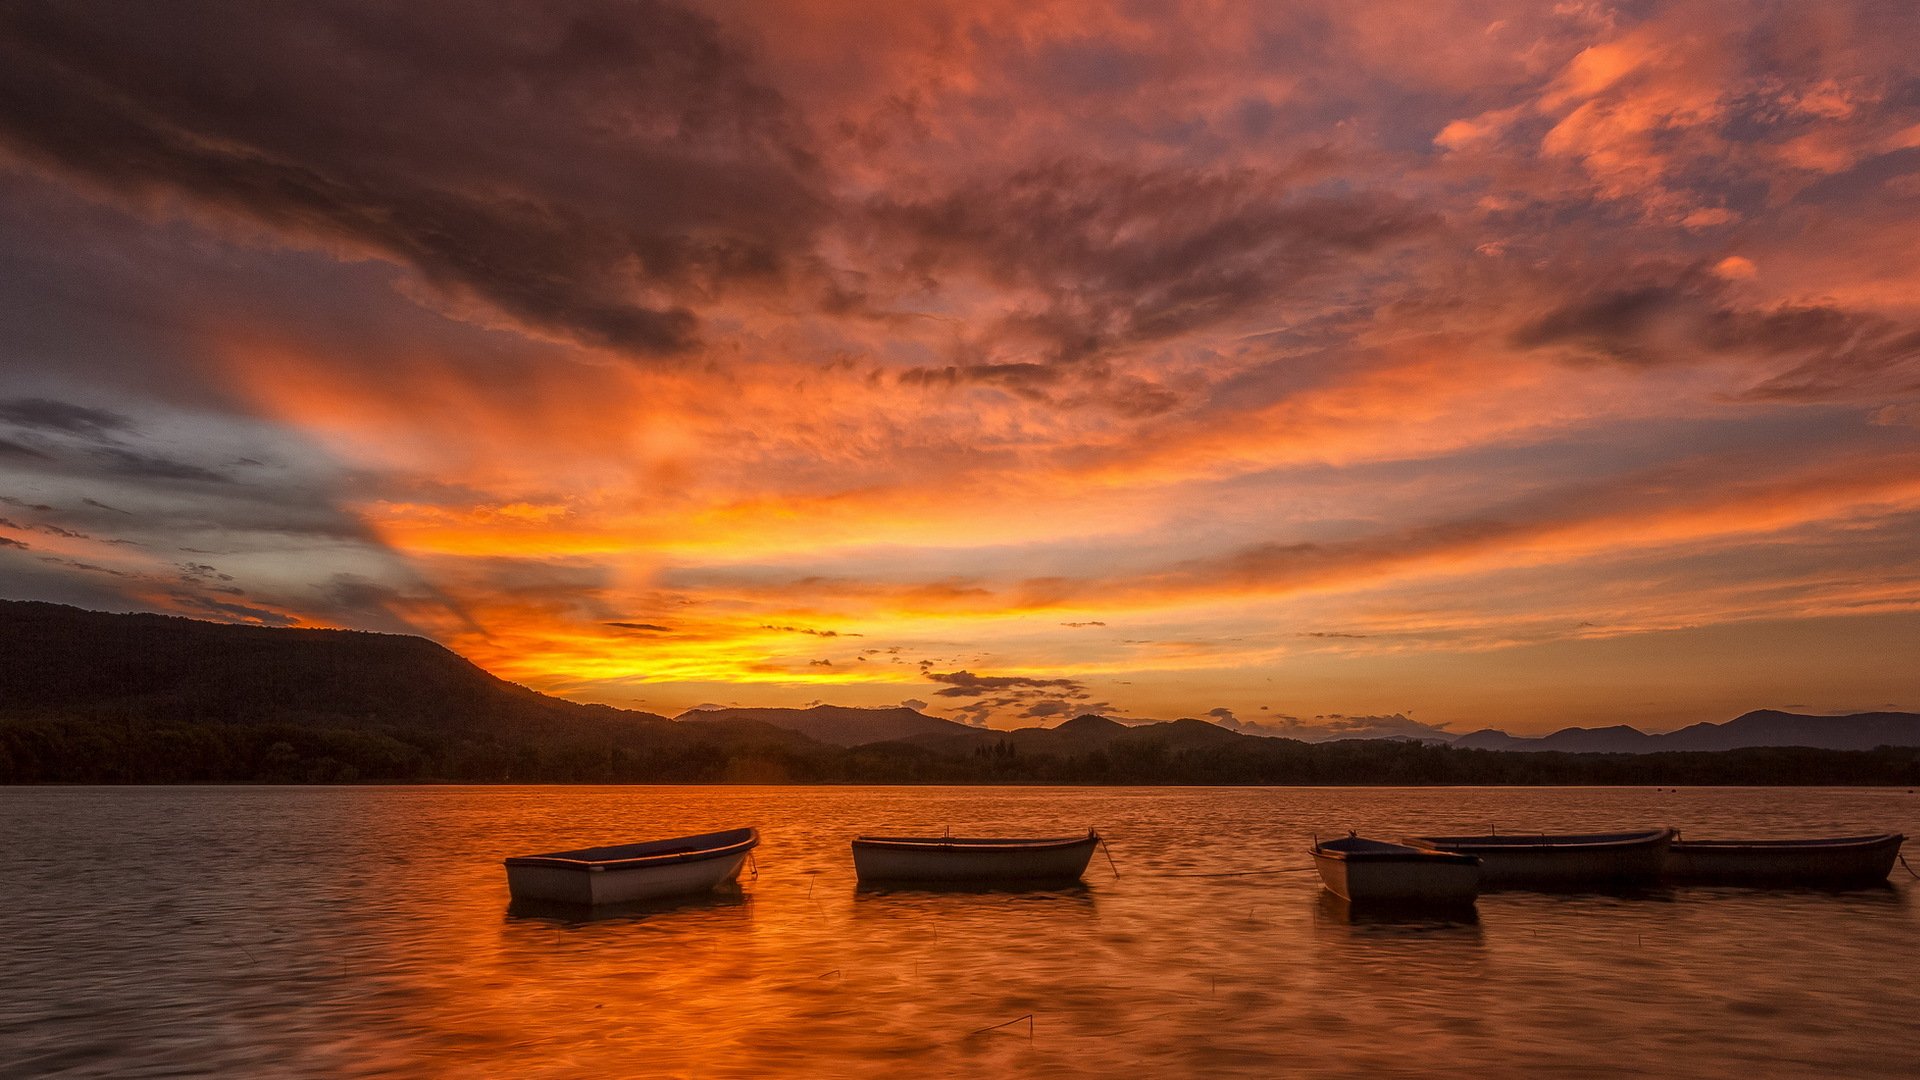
column 1908, row 869
column 996, row 1027
column 1248, row 873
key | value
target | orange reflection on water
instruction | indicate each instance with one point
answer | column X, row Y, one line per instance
column 366, row 931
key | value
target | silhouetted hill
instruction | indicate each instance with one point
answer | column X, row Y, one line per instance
column 1763, row 727
column 839, row 725
column 64, row 660
column 1487, row 739
column 90, row 696
column 1078, row 735
column 1618, row 739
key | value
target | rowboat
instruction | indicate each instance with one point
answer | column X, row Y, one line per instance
column 626, row 873
column 1567, row 861
column 959, row 859
column 1373, row 871
column 1830, row 861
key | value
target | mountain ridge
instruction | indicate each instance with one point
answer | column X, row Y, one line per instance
column 837, row 725
column 1749, row 730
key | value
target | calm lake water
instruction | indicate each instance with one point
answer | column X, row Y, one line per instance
column 365, row 931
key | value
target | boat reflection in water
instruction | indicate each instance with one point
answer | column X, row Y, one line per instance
column 1072, row 890
column 1397, row 919
column 727, row 900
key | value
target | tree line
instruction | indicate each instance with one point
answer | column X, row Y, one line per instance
column 133, row 750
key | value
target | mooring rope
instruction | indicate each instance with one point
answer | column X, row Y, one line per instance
column 996, row 1027
column 1908, row 869
column 1248, row 873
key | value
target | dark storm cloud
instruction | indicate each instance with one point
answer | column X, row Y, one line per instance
column 10, row 448
column 1332, row 726
column 1828, row 351
column 1082, row 385
column 586, row 169
column 46, row 415
column 1123, row 255
column 122, row 462
column 51, row 530
column 1614, row 324
column 967, row 684
column 226, row 611
column 1026, row 379
column 1390, row 726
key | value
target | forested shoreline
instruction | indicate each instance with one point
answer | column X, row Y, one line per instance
column 145, row 751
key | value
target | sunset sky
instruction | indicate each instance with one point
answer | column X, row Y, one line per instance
column 1327, row 368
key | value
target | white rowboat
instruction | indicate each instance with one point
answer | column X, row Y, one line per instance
column 1830, row 862
column 1563, row 861
column 1365, row 871
column 626, row 873
column 959, row 859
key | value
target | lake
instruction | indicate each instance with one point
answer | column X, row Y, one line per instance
column 366, row 931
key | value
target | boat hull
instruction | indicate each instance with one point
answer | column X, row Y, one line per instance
column 1611, row 861
column 592, row 886
column 630, row 873
column 1830, row 863
column 961, row 861
column 1423, row 881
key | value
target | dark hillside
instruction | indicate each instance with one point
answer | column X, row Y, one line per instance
column 92, row 697
column 66, row 661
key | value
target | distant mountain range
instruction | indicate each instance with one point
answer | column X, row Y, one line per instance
column 1762, row 727
column 843, row 726
column 93, row 697
column 838, row 725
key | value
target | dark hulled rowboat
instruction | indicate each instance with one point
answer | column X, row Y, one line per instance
column 1364, row 871
column 625, row 873
column 961, row 859
column 1562, row 861
column 1826, row 862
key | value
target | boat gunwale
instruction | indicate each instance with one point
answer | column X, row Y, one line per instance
column 1837, row 843
column 564, row 860
column 1544, row 842
column 974, row 843
column 1411, row 855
